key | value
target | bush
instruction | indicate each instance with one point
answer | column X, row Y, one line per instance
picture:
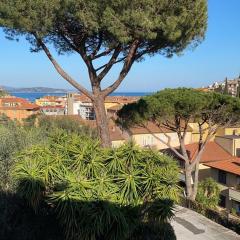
column 71, row 125
column 99, row 193
column 208, row 193
column 14, row 138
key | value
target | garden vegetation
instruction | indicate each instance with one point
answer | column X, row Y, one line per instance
column 61, row 184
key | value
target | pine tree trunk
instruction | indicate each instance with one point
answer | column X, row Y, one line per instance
column 195, row 187
column 188, row 181
column 101, row 120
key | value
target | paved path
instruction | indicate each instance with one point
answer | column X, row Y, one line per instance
column 189, row 225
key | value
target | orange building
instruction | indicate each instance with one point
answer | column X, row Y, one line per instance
column 17, row 108
column 51, row 101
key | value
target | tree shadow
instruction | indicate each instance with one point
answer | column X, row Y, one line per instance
column 19, row 221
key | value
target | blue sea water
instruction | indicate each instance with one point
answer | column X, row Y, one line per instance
column 33, row 96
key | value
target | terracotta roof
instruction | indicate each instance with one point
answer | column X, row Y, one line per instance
column 121, row 99
column 50, row 97
column 203, row 89
column 231, row 166
column 51, row 107
column 151, row 128
column 213, row 152
column 21, row 104
column 109, row 99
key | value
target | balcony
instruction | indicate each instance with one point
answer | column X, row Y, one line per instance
column 234, row 194
column 222, row 187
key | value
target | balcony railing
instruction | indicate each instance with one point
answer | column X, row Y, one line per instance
column 222, row 187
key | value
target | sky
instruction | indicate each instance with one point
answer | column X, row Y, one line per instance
column 216, row 58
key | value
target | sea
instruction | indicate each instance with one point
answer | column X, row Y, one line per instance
column 35, row 95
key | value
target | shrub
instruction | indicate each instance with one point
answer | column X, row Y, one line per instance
column 71, row 125
column 208, row 193
column 99, row 193
column 14, row 138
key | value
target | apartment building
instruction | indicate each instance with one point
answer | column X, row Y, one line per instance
column 51, row 101
column 81, row 105
column 230, row 87
column 227, row 174
column 221, row 162
column 53, row 110
column 17, row 108
column 152, row 136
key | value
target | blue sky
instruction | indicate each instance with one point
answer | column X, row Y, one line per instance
column 216, row 58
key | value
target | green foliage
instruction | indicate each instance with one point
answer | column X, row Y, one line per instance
column 31, row 121
column 162, row 26
column 99, row 193
column 70, row 125
column 208, row 193
column 3, row 93
column 234, row 211
column 114, row 31
column 5, row 120
column 175, row 106
column 14, row 138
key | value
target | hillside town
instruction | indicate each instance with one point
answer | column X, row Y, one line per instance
column 228, row 86
column 220, row 161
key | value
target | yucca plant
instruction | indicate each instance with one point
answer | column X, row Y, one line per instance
column 99, row 193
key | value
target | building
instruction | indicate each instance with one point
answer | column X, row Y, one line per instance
column 17, row 108
column 230, row 130
column 196, row 133
column 53, row 110
column 81, row 105
column 118, row 102
column 230, row 87
column 149, row 136
column 219, row 161
column 227, row 174
column 51, row 101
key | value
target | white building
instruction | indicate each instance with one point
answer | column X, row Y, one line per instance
column 83, row 108
column 53, row 110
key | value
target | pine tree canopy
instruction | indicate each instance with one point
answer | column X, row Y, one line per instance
column 160, row 26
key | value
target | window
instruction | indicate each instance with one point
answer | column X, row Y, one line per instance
column 147, row 140
column 238, row 180
column 222, row 201
column 222, row 176
column 237, row 152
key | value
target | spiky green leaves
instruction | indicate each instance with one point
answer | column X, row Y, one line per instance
column 97, row 192
column 208, row 193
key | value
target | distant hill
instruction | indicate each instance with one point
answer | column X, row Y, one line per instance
column 34, row 90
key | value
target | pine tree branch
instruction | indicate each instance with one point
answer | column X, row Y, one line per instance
column 60, row 70
column 125, row 69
